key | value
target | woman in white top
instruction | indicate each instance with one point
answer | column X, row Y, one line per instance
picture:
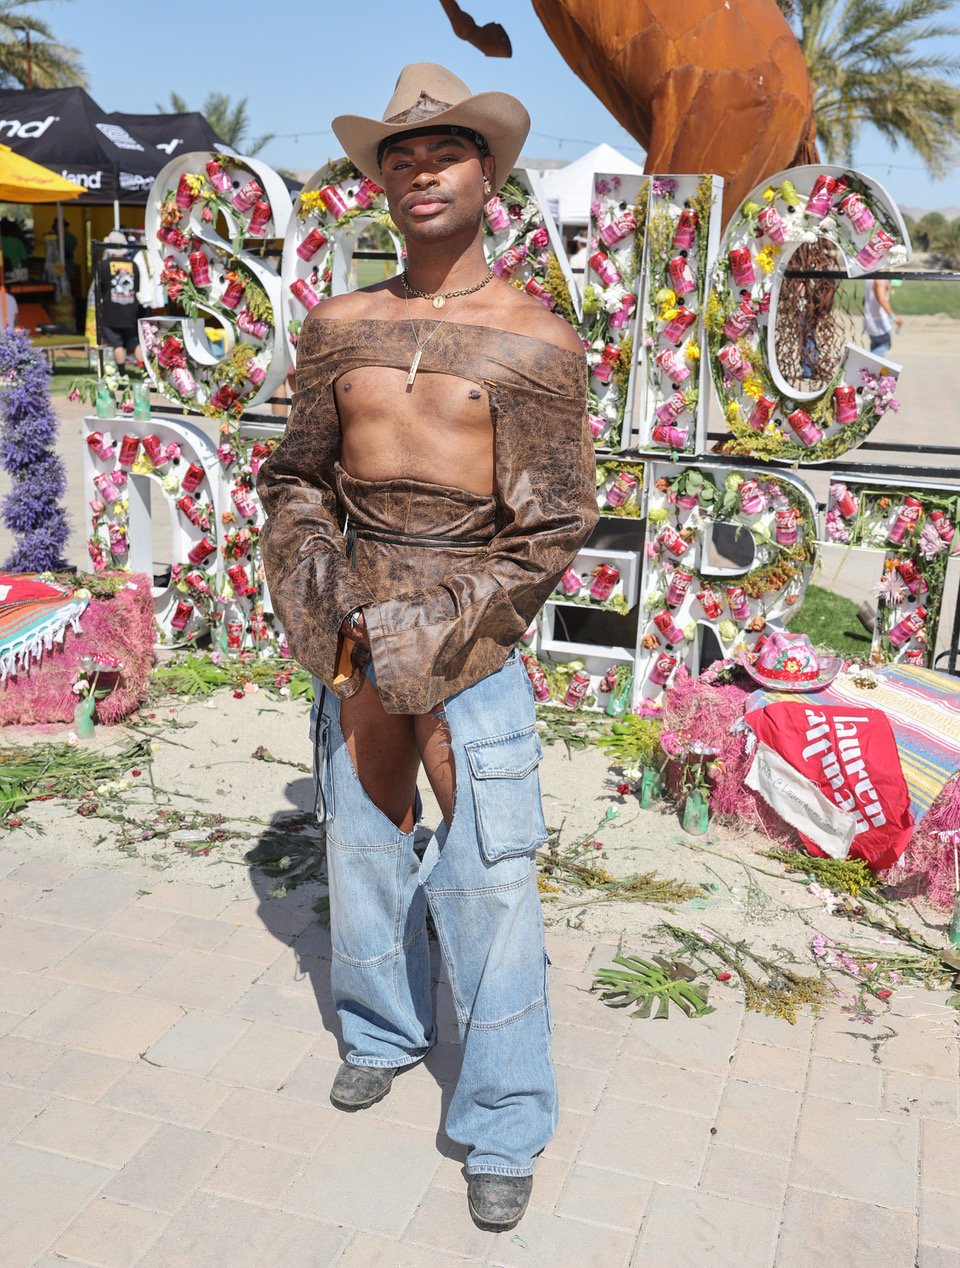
column 879, row 317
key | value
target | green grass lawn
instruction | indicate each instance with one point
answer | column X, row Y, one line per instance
column 912, row 299
column 831, row 621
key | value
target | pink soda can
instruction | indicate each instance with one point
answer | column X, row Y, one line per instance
column 99, row 446
column 874, row 250
column 508, row 263
column 741, row 267
column 733, row 362
column 578, row 689
column 239, row 578
column 687, row 501
column 670, row 540
column 683, row 235
column 247, row 195
column 624, row 313
column 906, row 518
column 540, row 292
column 232, row 296
column 752, row 500
column 608, row 359
column 333, row 200
column 772, row 224
column 181, row 614
column 914, row 656
column 742, row 319
column 570, row 582
column 234, row 636
column 191, row 510
column 824, row 188
column 681, row 279
column 945, row 529
column 604, row 579
column 860, row 215
column 219, row 179
column 538, row 681
column 673, row 365
column 907, row 628
column 787, row 528
column 604, row 268
column 495, row 215
column 597, row 426
column 844, row 501
column 710, row 603
column 118, row 539
column 738, row 603
column 305, row 293
column 672, row 437
column 663, row 669
column 678, row 587
column 185, row 197
column 845, row 403
column 243, row 502
column 675, row 330
column 367, row 193
column 618, row 229
column 192, row 478
column 183, row 381
column 311, row 244
column 252, row 325
column 258, row 627
column 109, row 491
column 622, row 489
column 197, row 581
column 804, row 428
column 128, row 450
column 912, row 576
column 671, row 408
column 256, row 373
column 259, row 219
column 199, row 268
column 200, row 551
column 153, row 448
column 761, row 413
column 668, row 627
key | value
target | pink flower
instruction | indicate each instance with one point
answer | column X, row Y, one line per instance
column 930, row 543
column 540, row 238
column 74, row 395
column 671, row 743
column 891, row 589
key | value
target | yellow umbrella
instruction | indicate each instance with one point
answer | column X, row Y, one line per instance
column 23, row 181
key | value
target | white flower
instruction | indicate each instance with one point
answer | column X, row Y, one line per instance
column 598, row 345
column 612, row 298
column 828, row 225
column 79, row 687
column 808, row 236
column 897, row 254
column 632, row 774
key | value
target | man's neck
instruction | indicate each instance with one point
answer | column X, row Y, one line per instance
column 445, row 266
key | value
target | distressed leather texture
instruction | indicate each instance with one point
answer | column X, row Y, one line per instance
column 439, row 619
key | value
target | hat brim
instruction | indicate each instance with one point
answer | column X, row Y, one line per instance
column 499, row 118
column 828, row 671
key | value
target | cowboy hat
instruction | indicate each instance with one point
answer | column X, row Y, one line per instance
column 789, row 662
column 428, row 95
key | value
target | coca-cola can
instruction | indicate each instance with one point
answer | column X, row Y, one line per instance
column 844, row 501
column 761, row 413
column 184, row 197
column 508, row 263
column 752, row 501
column 234, row 635
column 201, row 550
column 818, row 204
column 622, row 489
column 681, row 279
column 733, row 362
column 679, row 585
column 311, row 244
column 259, row 219
column 243, row 502
column 912, row 576
column 741, row 267
column 672, row 437
column 247, row 195
column 128, row 450
column 670, row 540
column 258, row 627
column 604, row 268
column 861, row 217
column 118, row 539
column 538, row 680
column 109, row 490
column 232, row 295
column 304, row 292
column 673, row 365
column 684, row 234
column 671, row 408
column 945, row 529
column 181, row 614
column 772, row 224
column 710, row 603
column 197, row 581
column 668, row 627
column 255, row 373
column 199, row 268
column 845, row 403
column 914, row 656
column 192, row 478
column 597, row 425
column 239, row 578
column 577, row 691
column 618, row 229
column 191, row 510
column 663, row 669
column 738, row 603
column 540, row 292
column 905, row 629
column 219, row 179
column 496, row 215
column 604, row 579
column 367, row 193
column 252, row 325
column 743, row 317
column 677, row 327
column 624, row 313
column 907, row 516
column 788, row 529
column 570, row 582
column 99, row 446
column 153, row 448
column 873, row 251
column 803, row 426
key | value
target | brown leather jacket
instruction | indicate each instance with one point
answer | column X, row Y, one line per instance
column 439, row 620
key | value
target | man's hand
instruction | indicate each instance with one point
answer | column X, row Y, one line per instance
column 354, row 626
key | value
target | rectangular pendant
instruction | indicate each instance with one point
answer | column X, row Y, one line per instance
column 414, row 366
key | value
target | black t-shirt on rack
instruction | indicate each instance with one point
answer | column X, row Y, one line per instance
column 119, row 283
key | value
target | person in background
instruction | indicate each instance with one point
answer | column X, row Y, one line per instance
column 119, row 309
column 8, row 309
column 15, row 250
column 879, row 317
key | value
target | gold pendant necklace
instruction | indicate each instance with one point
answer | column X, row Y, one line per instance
column 439, row 298
column 415, row 363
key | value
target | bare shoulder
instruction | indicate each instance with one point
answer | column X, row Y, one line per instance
column 355, row 306
column 525, row 315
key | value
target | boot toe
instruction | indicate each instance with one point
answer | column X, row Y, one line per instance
column 497, row 1203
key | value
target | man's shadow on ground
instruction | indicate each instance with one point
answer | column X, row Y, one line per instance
column 288, row 875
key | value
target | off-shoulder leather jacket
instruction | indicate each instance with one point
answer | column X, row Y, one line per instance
column 431, row 633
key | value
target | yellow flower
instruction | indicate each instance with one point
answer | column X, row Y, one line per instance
column 692, row 352
column 752, row 387
column 769, row 194
column 733, row 411
column 309, row 202
column 766, row 257
column 667, row 314
column 142, row 465
column 665, row 297
column 194, row 182
column 750, row 208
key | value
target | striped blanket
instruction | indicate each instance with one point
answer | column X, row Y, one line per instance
column 923, row 707
column 33, row 615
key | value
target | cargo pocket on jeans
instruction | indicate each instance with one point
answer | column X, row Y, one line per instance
column 506, row 794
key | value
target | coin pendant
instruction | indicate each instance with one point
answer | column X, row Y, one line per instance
column 439, row 301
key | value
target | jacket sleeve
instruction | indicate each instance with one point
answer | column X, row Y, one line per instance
column 312, row 583
column 546, row 490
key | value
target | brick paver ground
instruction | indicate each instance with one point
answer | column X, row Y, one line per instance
column 166, row 1052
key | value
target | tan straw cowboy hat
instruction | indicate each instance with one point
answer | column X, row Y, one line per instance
column 429, row 97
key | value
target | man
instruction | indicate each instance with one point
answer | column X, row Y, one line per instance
column 441, row 415
column 119, row 307
column 879, row 317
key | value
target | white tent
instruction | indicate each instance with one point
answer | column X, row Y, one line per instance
column 570, row 188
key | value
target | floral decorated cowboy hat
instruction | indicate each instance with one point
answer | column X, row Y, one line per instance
column 789, row 662
column 430, row 97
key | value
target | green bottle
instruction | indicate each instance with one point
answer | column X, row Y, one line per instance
column 696, row 813
column 141, row 401
column 955, row 922
column 105, row 404
column 650, row 787
column 619, row 700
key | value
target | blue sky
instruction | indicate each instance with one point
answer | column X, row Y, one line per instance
column 299, row 64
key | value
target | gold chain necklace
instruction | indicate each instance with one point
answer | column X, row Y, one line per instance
column 415, row 363
column 439, row 298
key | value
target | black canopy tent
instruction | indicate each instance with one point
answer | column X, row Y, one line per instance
column 64, row 129
column 172, row 133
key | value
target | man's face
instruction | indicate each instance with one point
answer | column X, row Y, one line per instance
column 434, row 185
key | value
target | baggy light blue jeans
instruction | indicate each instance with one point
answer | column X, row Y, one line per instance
column 479, row 878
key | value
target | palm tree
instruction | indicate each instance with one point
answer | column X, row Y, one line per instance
column 230, row 121
column 871, row 62
column 30, row 56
